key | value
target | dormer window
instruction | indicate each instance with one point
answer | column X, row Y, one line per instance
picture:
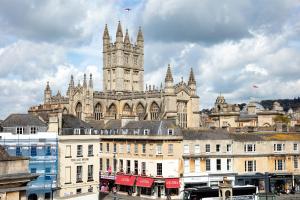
column 33, row 130
column 20, row 130
column 170, row 131
column 76, row 131
column 146, row 131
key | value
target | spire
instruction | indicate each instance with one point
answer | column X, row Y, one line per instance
column 84, row 81
column 58, row 93
column 106, row 33
column 169, row 76
column 47, row 87
column 191, row 78
column 119, row 30
column 72, row 81
column 126, row 39
column 91, row 81
column 79, row 85
column 140, row 37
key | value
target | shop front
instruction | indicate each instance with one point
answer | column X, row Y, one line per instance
column 106, row 182
column 297, row 183
column 172, row 186
column 125, row 183
column 281, row 183
column 144, row 185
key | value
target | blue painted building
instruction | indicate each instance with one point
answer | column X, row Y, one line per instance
column 25, row 135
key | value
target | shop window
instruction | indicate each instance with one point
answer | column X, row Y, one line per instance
column 33, row 151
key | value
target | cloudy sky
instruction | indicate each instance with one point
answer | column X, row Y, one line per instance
column 231, row 45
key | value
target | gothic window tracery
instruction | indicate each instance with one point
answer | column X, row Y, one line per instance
column 126, row 110
column 140, row 111
column 78, row 110
column 182, row 114
column 98, row 114
column 154, row 111
column 112, row 111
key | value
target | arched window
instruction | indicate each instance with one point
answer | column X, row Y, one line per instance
column 140, row 111
column 78, row 110
column 154, row 110
column 98, row 112
column 112, row 111
column 126, row 110
column 182, row 114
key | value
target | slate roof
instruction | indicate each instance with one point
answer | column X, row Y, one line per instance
column 209, row 134
column 155, row 127
column 70, row 121
column 14, row 120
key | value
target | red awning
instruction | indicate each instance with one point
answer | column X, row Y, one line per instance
column 144, row 181
column 172, row 183
column 125, row 180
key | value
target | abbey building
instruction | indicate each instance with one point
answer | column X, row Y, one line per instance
column 123, row 95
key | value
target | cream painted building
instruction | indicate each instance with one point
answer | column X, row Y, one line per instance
column 148, row 151
column 123, row 92
column 78, row 155
column 269, row 161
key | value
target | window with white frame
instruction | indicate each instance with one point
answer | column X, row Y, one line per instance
column 228, row 147
column 197, row 165
column 79, row 174
column 144, row 148
column 218, row 147
column 279, row 164
column 107, row 147
column 76, row 131
column 207, row 164
column 33, row 130
column 90, row 150
column 159, row 169
column 20, row 130
column 128, row 148
column 218, row 164
column 90, row 172
column 279, row 147
column 143, row 168
column 229, row 162
column 186, row 165
column 186, row 149
column 250, row 165
column 128, row 165
column 115, row 148
column 101, row 164
column 296, row 162
column 136, row 148
column 79, row 150
column 121, row 148
column 170, row 131
column 146, row 131
column 249, row 147
column 170, row 148
column 68, row 151
column 101, row 147
column 295, row 146
column 159, row 149
column 197, row 148
column 207, row 148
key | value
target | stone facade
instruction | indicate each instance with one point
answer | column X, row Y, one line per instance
column 123, row 92
column 252, row 115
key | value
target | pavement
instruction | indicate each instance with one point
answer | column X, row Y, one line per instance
column 111, row 196
column 288, row 197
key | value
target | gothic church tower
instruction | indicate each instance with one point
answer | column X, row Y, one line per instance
column 123, row 62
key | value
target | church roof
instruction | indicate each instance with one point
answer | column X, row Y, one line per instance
column 191, row 78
